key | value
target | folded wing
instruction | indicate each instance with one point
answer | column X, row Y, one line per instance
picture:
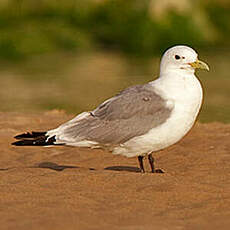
column 131, row 113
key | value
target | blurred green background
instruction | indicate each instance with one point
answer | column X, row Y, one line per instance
column 71, row 55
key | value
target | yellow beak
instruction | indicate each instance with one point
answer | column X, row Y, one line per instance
column 199, row 65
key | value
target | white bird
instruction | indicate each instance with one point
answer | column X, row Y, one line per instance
column 141, row 119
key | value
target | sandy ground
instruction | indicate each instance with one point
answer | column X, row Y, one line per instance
column 73, row 188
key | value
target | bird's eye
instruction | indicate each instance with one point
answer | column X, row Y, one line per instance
column 177, row 57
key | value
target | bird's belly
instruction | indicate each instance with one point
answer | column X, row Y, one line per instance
column 176, row 126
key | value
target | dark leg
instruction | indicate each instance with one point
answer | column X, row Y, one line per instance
column 140, row 159
column 151, row 162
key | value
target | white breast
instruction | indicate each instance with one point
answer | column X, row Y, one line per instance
column 185, row 93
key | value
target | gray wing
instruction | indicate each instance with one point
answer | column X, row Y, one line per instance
column 133, row 112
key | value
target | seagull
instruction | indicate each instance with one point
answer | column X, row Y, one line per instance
column 139, row 120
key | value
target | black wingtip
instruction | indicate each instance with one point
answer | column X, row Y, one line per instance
column 23, row 143
column 34, row 138
column 39, row 141
column 30, row 135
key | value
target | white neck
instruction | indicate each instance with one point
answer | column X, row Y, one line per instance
column 176, row 71
column 179, row 85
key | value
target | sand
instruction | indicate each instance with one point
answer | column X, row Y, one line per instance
column 73, row 188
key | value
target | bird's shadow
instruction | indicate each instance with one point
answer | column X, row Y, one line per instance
column 54, row 166
column 57, row 167
column 5, row 169
column 123, row 168
column 129, row 169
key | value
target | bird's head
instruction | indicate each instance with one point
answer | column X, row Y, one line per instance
column 181, row 58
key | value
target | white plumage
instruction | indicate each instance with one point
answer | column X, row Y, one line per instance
column 142, row 119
